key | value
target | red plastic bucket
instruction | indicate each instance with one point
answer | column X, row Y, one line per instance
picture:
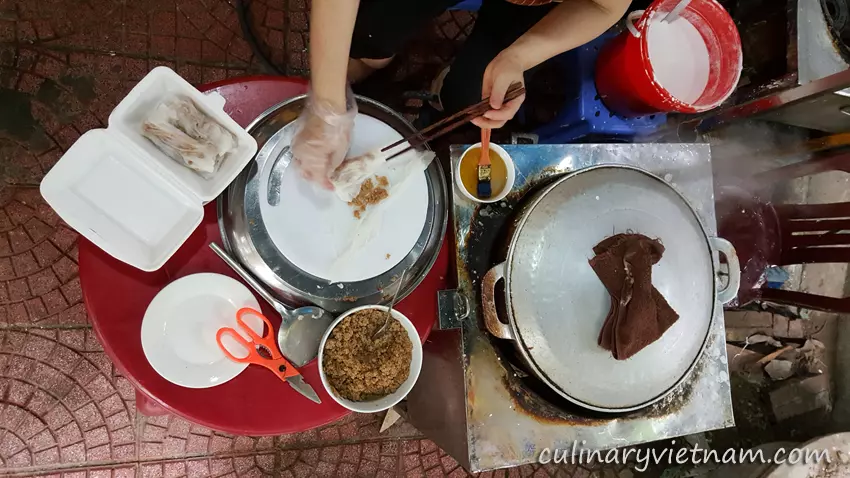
column 625, row 78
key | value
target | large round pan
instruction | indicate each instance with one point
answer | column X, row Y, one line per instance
column 248, row 239
column 556, row 304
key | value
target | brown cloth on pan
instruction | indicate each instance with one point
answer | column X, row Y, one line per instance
column 639, row 314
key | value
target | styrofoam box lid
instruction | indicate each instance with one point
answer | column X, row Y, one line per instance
column 116, row 200
column 125, row 195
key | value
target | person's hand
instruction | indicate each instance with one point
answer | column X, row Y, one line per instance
column 504, row 70
column 322, row 137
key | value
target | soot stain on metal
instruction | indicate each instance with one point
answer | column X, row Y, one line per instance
column 460, row 260
column 537, row 181
column 491, row 226
column 527, row 396
column 487, row 240
column 527, row 401
column 679, row 397
column 537, row 407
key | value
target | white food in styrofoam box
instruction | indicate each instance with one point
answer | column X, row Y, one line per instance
column 113, row 198
column 159, row 85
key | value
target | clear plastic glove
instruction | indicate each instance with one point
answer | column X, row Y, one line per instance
column 322, row 137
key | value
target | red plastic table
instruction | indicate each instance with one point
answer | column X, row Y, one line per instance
column 256, row 402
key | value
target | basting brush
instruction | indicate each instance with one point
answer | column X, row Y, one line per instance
column 484, row 190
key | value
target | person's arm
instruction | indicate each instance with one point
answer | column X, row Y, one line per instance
column 569, row 25
column 323, row 131
column 331, row 28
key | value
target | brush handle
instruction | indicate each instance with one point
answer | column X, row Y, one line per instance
column 484, row 160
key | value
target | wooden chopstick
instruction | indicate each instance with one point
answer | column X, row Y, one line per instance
column 465, row 115
column 453, row 122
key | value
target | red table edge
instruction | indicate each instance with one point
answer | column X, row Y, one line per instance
column 251, row 78
column 144, row 399
column 150, row 403
column 152, row 406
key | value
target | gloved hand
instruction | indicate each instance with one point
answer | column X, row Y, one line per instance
column 322, row 137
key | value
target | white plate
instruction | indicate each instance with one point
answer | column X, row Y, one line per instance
column 180, row 325
column 312, row 227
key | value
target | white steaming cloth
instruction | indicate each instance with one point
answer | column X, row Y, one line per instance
column 353, row 172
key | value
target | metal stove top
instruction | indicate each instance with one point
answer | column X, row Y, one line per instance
column 509, row 416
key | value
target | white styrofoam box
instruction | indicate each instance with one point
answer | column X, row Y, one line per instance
column 126, row 196
column 162, row 83
column 114, row 199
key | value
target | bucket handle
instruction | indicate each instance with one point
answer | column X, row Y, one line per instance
column 631, row 19
column 726, row 248
column 488, row 301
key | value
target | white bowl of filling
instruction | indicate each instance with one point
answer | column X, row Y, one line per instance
column 369, row 375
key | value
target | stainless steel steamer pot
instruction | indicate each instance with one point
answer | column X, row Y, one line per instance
column 246, row 238
column 556, row 304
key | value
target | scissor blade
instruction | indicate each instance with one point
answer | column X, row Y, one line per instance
column 303, row 388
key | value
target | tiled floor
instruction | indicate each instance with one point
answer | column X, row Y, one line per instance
column 64, row 410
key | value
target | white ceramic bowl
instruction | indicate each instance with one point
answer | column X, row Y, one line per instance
column 388, row 401
column 509, row 184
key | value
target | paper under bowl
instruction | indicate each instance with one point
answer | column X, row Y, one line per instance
column 383, row 403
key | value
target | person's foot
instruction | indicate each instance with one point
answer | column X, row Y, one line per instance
column 437, row 86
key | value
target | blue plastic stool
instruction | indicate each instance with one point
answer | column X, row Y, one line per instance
column 470, row 5
column 583, row 117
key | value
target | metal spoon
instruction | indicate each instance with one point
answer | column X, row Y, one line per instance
column 390, row 310
column 301, row 329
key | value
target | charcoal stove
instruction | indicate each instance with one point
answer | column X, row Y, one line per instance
column 474, row 398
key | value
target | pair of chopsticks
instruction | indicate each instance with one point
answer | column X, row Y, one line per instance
column 452, row 122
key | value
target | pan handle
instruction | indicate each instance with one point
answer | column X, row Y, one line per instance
column 488, row 300
column 726, row 248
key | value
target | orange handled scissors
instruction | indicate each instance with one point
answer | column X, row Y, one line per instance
column 263, row 350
